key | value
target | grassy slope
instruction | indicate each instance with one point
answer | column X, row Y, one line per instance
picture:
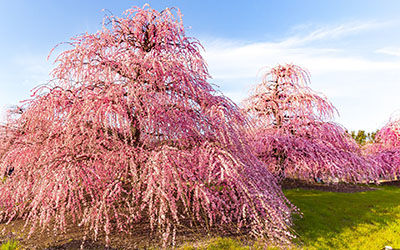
column 367, row 220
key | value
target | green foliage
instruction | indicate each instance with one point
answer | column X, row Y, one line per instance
column 10, row 245
column 362, row 137
column 366, row 220
column 372, row 135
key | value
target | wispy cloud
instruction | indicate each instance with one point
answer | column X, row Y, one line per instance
column 332, row 32
column 392, row 51
column 357, row 83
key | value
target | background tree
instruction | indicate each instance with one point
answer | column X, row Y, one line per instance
column 372, row 136
column 294, row 136
column 386, row 149
column 362, row 138
column 129, row 131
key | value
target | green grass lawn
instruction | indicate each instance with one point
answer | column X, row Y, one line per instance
column 366, row 220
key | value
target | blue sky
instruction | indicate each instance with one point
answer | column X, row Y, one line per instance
column 351, row 48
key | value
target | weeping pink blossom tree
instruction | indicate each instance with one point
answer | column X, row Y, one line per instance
column 294, row 136
column 130, row 131
column 389, row 135
column 386, row 150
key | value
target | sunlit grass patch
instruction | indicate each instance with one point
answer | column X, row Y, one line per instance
column 366, row 220
column 363, row 220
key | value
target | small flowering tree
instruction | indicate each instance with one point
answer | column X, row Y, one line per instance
column 386, row 149
column 130, row 131
column 294, row 137
column 389, row 135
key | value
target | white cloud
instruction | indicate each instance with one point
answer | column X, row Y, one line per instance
column 363, row 87
column 393, row 51
column 332, row 32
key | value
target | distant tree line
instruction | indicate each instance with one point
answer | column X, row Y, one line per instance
column 362, row 137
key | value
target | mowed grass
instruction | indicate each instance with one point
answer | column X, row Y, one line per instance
column 366, row 220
